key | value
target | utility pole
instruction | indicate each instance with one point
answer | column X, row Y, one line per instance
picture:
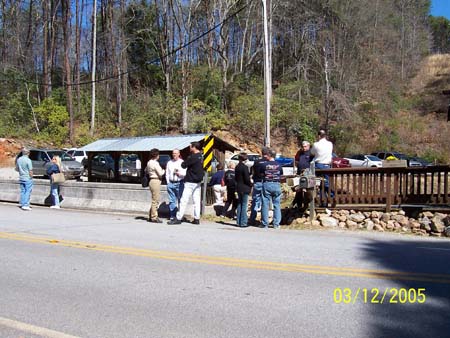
column 267, row 76
column 94, row 52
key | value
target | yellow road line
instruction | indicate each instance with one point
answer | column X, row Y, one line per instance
column 236, row 262
column 33, row 329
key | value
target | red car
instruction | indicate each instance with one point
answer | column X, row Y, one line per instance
column 339, row 162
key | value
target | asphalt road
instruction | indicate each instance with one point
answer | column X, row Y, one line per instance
column 68, row 273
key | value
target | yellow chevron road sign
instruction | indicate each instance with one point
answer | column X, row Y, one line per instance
column 208, row 152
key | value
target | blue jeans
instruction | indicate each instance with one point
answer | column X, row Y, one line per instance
column 271, row 193
column 26, row 186
column 242, row 209
column 54, row 191
column 174, row 190
column 256, row 200
column 326, row 182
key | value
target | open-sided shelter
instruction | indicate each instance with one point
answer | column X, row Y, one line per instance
column 119, row 150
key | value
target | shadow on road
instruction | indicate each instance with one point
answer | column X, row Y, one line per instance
column 428, row 260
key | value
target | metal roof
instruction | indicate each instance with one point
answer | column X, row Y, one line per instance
column 144, row 143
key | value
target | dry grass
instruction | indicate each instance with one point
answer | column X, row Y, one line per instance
column 433, row 69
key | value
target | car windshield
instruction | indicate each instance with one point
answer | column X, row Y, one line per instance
column 63, row 155
column 373, row 158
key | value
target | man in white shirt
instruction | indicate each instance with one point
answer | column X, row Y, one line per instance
column 323, row 153
column 174, row 178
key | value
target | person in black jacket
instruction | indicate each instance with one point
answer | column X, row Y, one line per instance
column 304, row 160
column 243, row 188
column 192, row 184
column 230, row 183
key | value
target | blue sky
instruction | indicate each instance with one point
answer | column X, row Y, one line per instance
column 440, row 8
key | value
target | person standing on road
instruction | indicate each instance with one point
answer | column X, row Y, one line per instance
column 55, row 168
column 175, row 182
column 323, row 154
column 155, row 174
column 25, row 169
column 257, row 177
column 229, row 180
column 243, row 188
column 192, row 184
column 271, row 190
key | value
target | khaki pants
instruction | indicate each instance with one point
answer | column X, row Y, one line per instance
column 155, row 188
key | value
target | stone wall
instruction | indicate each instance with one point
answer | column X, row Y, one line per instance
column 427, row 224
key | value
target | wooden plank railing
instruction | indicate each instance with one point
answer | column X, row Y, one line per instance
column 387, row 186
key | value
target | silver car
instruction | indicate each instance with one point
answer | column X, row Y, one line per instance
column 41, row 159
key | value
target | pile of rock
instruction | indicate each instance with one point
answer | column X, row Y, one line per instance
column 428, row 223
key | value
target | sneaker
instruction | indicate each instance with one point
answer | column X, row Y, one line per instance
column 156, row 220
column 174, row 221
column 55, row 207
column 276, row 227
column 26, row 208
column 196, row 221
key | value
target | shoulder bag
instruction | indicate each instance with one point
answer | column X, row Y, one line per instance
column 58, row 178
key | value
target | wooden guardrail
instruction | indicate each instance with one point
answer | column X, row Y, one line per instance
column 388, row 186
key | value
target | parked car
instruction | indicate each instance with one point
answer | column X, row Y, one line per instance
column 41, row 160
column 361, row 160
column 102, row 166
column 339, row 162
column 422, row 161
column 77, row 154
column 251, row 159
column 383, row 155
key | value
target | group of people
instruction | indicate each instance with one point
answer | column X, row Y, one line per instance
column 25, row 168
column 183, row 182
column 237, row 183
column 184, row 179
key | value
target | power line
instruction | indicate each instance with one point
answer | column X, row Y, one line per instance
column 176, row 50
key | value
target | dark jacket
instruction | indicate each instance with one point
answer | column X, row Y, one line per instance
column 194, row 166
column 303, row 161
column 230, row 180
column 53, row 169
column 242, row 176
column 258, row 170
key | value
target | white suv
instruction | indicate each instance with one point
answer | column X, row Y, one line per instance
column 79, row 155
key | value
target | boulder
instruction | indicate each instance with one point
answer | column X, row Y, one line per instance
column 385, row 217
column 358, row 217
column 329, row 222
column 376, row 220
column 351, row 225
column 342, row 225
column 369, row 225
column 402, row 212
column 377, row 227
column 437, row 225
column 427, row 214
column 414, row 224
